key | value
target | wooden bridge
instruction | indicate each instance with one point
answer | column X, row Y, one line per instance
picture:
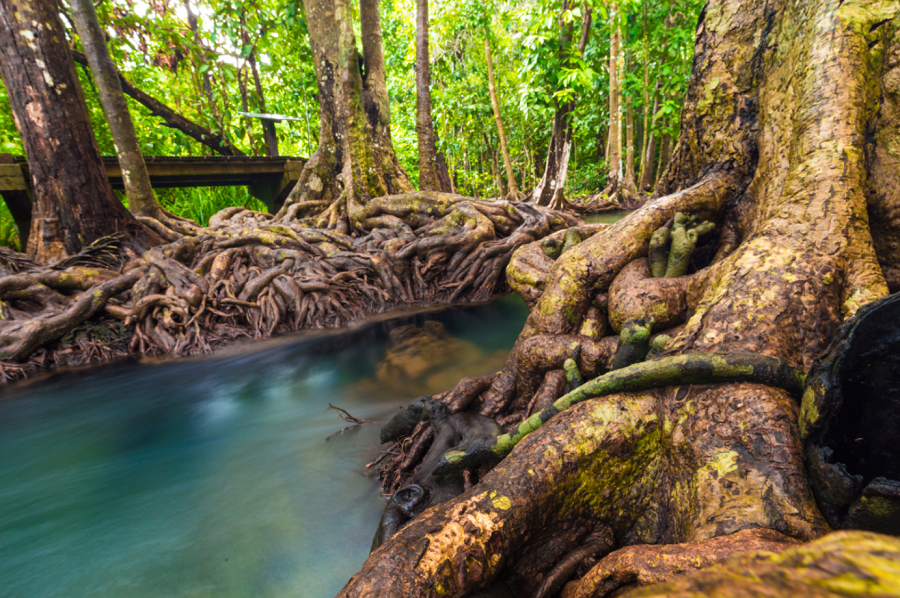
column 268, row 179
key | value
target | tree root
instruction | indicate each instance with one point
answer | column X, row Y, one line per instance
column 848, row 564
column 667, row 371
column 251, row 274
column 645, row 565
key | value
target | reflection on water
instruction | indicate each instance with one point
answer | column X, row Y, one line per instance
column 606, row 217
column 209, row 477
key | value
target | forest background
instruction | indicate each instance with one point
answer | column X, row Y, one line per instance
column 211, row 59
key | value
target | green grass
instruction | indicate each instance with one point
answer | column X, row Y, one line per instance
column 9, row 234
column 199, row 203
column 196, row 203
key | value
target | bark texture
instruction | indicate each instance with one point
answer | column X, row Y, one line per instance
column 141, row 200
column 74, row 203
column 429, row 177
column 774, row 149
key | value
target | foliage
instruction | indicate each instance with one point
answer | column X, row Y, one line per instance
column 154, row 45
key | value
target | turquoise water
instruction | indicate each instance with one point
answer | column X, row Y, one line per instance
column 207, row 477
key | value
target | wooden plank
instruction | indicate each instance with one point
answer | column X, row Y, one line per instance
column 12, row 178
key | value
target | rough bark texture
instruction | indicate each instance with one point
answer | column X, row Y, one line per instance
column 74, row 203
column 429, row 180
column 375, row 97
column 141, row 200
column 775, row 149
column 614, row 150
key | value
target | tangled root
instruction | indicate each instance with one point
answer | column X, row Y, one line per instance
column 251, row 274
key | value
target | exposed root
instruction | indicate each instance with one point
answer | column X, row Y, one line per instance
column 251, row 274
column 645, row 565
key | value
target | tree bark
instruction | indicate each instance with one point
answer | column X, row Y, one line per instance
column 629, row 146
column 428, row 169
column 649, row 156
column 74, row 203
column 213, row 141
column 375, row 96
column 614, row 151
column 774, row 147
column 141, row 200
column 507, row 163
column 354, row 161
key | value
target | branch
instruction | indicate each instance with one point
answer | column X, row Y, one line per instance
column 214, row 141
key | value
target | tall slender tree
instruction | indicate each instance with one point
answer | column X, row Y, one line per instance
column 141, row 200
column 614, row 140
column 495, row 104
column 429, row 177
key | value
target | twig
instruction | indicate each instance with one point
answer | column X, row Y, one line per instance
column 355, row 421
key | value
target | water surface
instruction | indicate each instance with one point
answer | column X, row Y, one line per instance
column 209, row 477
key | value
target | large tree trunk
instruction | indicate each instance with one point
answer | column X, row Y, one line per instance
column 74, row 203
column 495, row 103
column 774, row 149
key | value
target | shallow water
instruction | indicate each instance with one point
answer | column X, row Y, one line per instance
column 209, row 477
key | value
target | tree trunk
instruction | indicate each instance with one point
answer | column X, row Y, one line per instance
column 649, row 155
column 775, row 150
column 74, row 203
column 141, row 200
column 550, row 191
column 269, row 132
column 375, row 97
column 428, row 169
column 614, row 148
column 665, row 155
column 507, row 163
column 629, row 146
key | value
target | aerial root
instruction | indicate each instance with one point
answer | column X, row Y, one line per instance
column 697, row 368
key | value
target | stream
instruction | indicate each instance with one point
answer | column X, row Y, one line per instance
column 213, row 477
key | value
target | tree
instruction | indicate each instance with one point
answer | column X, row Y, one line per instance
column 430, row 176
column 551, row 189
column 773, row 150
column 74, row 203
column 615, row 144
column 341, row 246
column 495, row 104
column 141, row 200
